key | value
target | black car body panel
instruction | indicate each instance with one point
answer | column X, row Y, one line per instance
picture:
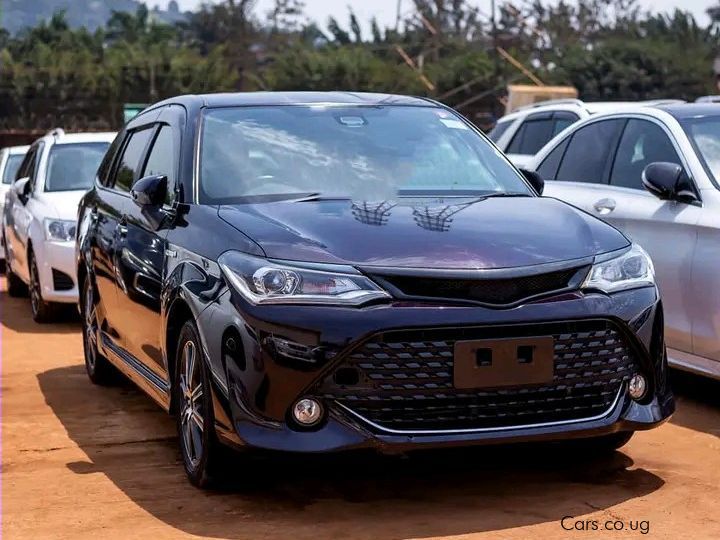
column 153, row 269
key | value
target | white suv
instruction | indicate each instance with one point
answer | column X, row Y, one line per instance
column 10, row 159
column 40, row 215
column 522, row 133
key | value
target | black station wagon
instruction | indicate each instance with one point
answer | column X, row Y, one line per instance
column 313, row 272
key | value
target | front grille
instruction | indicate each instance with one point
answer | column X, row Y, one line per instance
column 61, row 281
column 497, row 292
column 405, row 379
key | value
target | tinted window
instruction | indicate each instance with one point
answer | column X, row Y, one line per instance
column 106, row 164
column 587, row 154
column 642, row 143
column 162, row 159
column 531, row 137
column 562, row 122
column 73, row 166
column 11, row 167
column 362, row 153
column 548, row 168
column 129, row 164
column 499, row 130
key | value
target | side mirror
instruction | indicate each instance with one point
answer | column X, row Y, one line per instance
column 150, row 190
column 21, row 187
column 668, row 181
column 536, row 181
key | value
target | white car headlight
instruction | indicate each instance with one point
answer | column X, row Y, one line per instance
column 630, row 270
column 60, row 230
column 262, row 281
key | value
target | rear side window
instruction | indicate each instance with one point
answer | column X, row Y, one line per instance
column 129, row 165
column 642, row 143
column 499, row 130
column 586, row 156
column 531, row 137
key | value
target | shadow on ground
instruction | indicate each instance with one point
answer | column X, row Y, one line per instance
column 698, row 402
column 356, row 495
column 15, row 315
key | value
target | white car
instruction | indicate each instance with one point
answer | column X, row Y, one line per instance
column 654, row 173
column 10, row 159
column 40, row 215
column 522, row 133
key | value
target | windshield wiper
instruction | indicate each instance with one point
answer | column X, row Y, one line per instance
column 502, row 194
column 320, row 197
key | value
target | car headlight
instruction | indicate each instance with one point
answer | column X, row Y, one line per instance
column 630, row 270
column 60, row 230
column 263, row 281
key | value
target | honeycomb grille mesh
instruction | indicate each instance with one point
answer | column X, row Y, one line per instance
column 405, row 379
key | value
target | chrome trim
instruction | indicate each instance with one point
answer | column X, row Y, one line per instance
column 604, row 414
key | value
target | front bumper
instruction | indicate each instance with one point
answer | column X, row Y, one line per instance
column 256, row 386
column 56, row 266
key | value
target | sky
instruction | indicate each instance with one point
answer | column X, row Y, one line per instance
column 385, row 10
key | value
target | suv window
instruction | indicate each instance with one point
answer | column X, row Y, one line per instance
column 531, row 137
column 586, row 157
column 129, row 164
column 162, row 160
column 642, row 142
column 29, row 164
column 499, row 130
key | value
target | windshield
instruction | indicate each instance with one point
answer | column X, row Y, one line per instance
column 251, row 154
column 73, row 166
column 704, row 134
column 11, row 167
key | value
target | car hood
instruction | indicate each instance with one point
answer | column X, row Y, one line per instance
column 425, row 233
column 61, row 204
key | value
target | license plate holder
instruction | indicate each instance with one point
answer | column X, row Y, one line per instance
column 494, row 363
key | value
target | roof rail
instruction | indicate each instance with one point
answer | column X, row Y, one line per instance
column 56, row 132
column 562, row 101
column 658, row 102
column 708, row 99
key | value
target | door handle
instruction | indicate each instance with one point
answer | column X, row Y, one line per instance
column 604, row 206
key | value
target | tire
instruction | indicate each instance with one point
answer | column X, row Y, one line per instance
column 203, row 455
column 42, row 311
column 15, row 286
column 99, row 369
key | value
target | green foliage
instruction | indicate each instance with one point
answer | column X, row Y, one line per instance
column 55, row 74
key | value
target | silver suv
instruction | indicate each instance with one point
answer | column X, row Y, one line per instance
column 654, row 172
column 522, row 133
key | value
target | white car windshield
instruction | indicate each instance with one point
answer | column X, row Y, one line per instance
column 255, row 154
column 73, row 166
column 11, row 168
column 704, row 134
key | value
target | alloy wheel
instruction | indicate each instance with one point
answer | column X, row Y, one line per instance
column 90, row 326
column 191, row 410
column 35, row 294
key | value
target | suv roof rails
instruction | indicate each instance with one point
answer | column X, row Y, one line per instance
column 657, row 102
column 56, row 132
column 708, row 99
column 562, row 101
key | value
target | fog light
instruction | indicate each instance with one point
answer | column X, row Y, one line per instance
column 637, row 387
column 307, row 412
